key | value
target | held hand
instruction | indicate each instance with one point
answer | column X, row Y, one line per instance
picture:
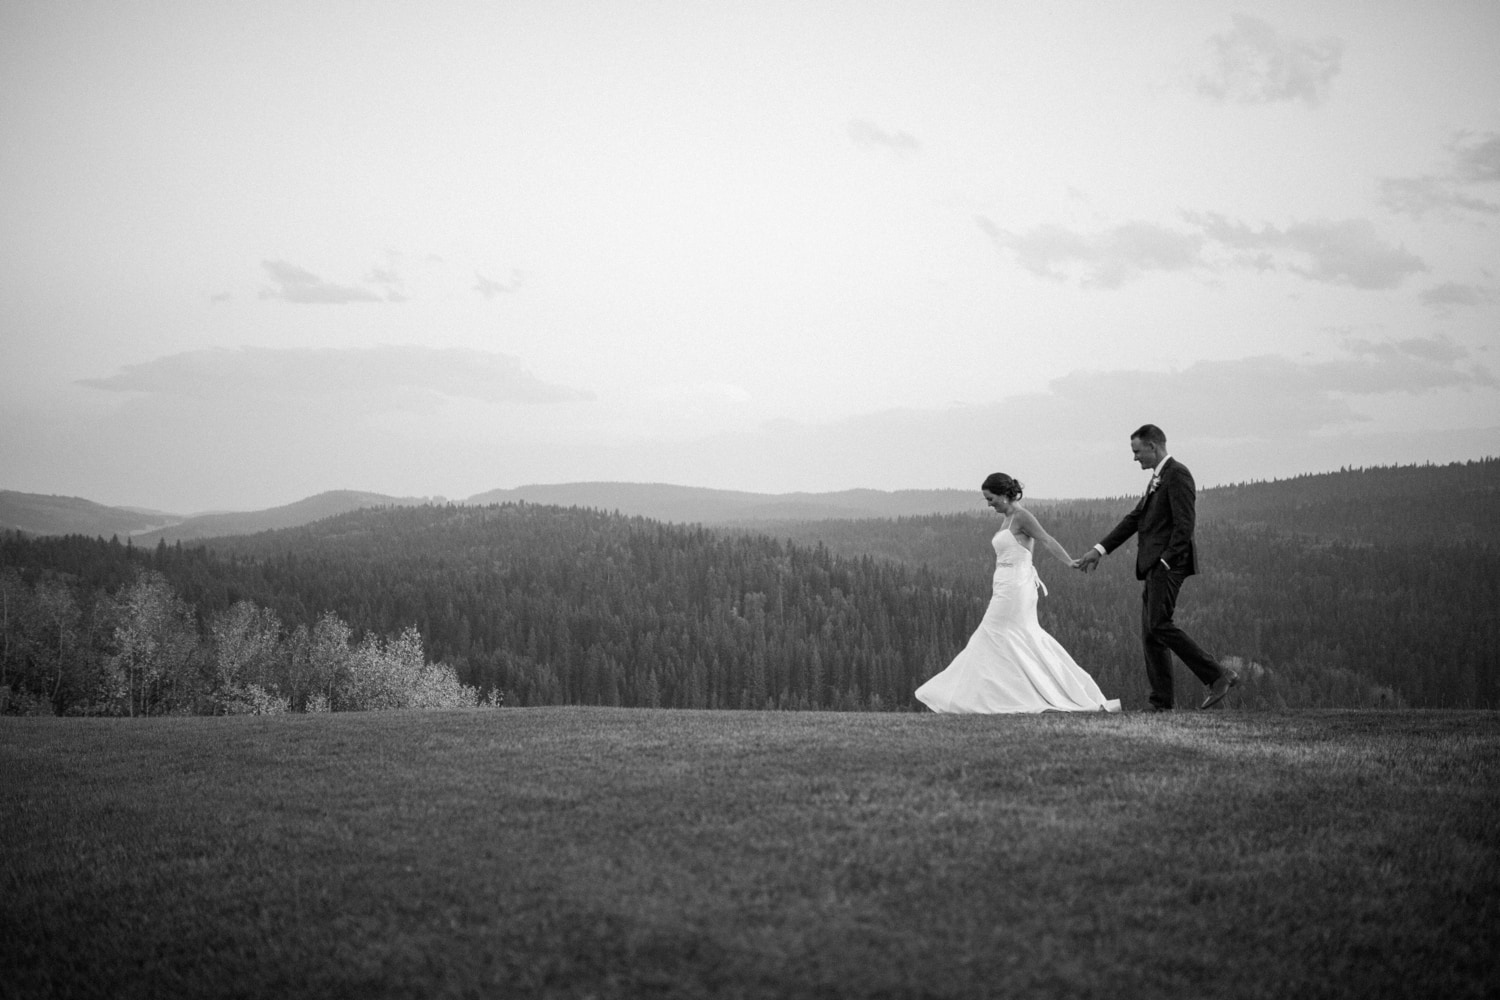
column 1088, row 562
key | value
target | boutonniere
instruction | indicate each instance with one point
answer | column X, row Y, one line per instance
column 1155, row 482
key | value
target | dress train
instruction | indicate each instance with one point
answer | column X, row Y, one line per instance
column 1012, row 664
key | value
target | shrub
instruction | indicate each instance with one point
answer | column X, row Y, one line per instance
column 252, row 699
column 394, row 673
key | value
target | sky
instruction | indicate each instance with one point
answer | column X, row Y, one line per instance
column 253, row 252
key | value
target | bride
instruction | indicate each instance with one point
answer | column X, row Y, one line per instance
column 1011, row 664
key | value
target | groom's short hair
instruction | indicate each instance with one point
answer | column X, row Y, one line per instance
column 1151, row 433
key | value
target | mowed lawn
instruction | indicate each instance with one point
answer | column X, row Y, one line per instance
column 578, row 852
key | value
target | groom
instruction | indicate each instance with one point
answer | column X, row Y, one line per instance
column 1164, row 558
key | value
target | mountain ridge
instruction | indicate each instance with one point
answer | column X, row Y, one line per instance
column 1311, row 496
column 50, row 514
column 696, row 504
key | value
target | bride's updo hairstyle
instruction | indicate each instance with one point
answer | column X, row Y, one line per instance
column 1002, row 485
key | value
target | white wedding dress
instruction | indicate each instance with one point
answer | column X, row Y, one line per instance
column 1011, row 664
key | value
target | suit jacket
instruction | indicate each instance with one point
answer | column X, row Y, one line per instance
column 1164, row 520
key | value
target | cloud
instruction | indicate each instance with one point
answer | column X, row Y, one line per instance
column 698, row 394
column 1267, row 395
column 1414, row 365
column 1417, row 196
column 390, row 280
column 1253, row 63
column 1346, row 252
column 1107, row 259
column 370, row 379
column 1476, row 160
column 489, row 288
column 294, row 284
column 1452, row 293
column 867, row 135
column 1231, row 420
column 1342, row 252
column 1213, row 397
column 1440, row 350
column 1371, row 402
column 1473, row 162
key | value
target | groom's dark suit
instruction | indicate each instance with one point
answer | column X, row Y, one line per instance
column 1165, row 557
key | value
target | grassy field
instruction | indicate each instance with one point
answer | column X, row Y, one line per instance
column 619, row 853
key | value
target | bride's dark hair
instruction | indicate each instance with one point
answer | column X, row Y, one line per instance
column 1002, row 485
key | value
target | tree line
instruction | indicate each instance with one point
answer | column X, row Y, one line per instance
column 70, row 645
column 541, row 605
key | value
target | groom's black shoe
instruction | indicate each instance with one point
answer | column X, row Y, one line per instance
column 1220, row 688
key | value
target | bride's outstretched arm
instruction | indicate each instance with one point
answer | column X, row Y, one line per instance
column 1033, row 527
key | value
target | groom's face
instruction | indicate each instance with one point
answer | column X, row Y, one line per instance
column 1146, row 453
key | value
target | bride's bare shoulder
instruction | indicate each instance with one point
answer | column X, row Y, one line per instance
column 1026, row 523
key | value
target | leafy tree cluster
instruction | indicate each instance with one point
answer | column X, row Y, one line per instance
column 71, row 643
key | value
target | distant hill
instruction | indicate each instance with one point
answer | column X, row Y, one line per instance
column 45, row 515
column 1458, row 502
column 1406, row 506
column 695, row 505
column 39, row 514
column 1351, row 504
column 292, row 515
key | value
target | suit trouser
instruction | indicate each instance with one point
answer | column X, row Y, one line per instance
column 1161, row 637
